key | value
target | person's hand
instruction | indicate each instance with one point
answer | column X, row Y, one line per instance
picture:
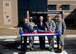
column 41, row 30
column 35, row 31
column 51, row 31
column 36, row 25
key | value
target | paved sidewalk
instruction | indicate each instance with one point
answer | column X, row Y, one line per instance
column 11, row 47
column 45, row 52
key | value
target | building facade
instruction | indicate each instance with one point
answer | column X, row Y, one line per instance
column 8, row 13
column 68, row 7
column 13, row 12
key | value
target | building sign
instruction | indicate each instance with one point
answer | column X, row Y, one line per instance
column 49, row 12
column 7, row 12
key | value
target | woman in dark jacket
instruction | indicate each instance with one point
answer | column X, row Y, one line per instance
column 26, row 28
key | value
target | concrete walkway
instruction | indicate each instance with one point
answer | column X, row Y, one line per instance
column 68, row 47
column 45, row 52
column 5, row 50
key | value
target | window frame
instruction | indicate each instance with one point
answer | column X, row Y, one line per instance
column 65, row 7
column 52, row 7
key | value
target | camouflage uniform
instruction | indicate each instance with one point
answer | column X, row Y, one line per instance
column 60, row 25
column 50, row 26
column 31, row 38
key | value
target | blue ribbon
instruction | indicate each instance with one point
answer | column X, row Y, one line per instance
column 21, row 31
column 58, row 31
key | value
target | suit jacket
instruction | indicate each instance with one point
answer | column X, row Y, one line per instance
column 26, row 27
column 41, row 27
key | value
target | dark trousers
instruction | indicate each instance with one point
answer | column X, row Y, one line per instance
column 58, row 41
column 24, row 45
column 42, row 42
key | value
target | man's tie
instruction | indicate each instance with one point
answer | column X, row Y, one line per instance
column 41, row 24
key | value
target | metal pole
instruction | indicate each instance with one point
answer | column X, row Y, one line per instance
column 28, row 14
column 28, row 5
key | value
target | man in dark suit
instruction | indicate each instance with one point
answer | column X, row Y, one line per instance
column 26, row 28
column 41, row 27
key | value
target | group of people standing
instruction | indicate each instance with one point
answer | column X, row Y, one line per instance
column 50, row 25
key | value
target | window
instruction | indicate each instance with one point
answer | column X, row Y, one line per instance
column 65, row 7
column 7, row 16
column 7, row 4
column 9, row 20
column 52, row 7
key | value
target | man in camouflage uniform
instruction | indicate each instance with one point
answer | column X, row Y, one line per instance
column 60, row 26
column 50, row 26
